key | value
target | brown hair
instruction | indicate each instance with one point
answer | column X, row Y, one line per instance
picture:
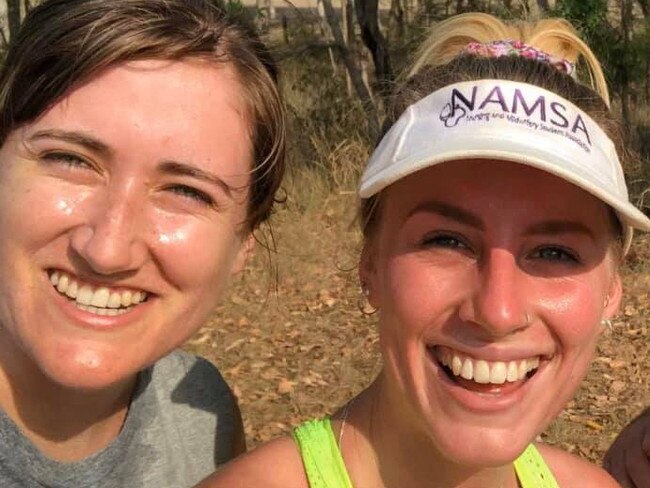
column 440, row 62
column 62, row 43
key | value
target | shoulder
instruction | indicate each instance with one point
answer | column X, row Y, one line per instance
column 573, row 472
column 191, row 397
column 279, row 457
column 179, row 363
column 190, row 377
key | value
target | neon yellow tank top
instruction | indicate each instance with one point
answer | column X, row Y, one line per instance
column 325, row 468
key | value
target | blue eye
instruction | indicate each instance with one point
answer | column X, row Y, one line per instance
column 449, row 241
column 192, row 194
column 555, row 253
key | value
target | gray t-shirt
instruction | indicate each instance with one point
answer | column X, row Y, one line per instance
column 178, row 429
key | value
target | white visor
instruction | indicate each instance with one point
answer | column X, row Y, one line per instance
column 508, row 121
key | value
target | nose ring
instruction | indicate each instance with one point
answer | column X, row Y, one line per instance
column 527, row 318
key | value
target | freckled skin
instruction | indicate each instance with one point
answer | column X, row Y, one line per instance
column 473, row 293
column 118, row 220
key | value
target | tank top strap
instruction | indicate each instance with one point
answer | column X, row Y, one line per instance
column 532, row 471
column 321, row 455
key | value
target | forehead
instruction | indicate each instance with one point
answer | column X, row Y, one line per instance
column 494, row 191
column 190, row 109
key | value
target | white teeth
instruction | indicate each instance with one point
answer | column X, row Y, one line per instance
column 481, row 372
column 484, row 372
column 101, row 301
column 498, row 373
column 100, row 297
column 522, row 369
column 467, row 371
column 63, row 283
column 513, row 374
column 72, row 290
column 115, row 300
column 85, row 295
column 456, row 365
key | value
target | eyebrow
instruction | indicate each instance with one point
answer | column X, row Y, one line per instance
column 451, row 212
column 73, row 137
column 556, row 227
column 184, row 169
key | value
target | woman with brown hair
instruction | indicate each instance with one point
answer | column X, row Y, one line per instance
column 141, row 145
column 495, row 216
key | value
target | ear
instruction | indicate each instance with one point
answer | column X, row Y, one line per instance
column 244, row 253
column 368, row 274
column 614, row 296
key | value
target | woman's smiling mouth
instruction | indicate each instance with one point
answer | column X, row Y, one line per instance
column 97, row 300
column 481, row 375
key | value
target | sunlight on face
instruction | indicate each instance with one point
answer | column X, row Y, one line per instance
column 491, row 281
column 138, row 182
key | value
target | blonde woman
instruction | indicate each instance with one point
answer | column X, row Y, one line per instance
column 495, row 216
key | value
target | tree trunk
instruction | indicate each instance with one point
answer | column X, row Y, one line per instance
column 397, row 14
column 13, row 17
column 348, row 37
column 645, row 7
column 355, row 74
column 626, row 14
column 367, row 15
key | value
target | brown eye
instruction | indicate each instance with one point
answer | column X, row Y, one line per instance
column 192, row 194
column 68, row 159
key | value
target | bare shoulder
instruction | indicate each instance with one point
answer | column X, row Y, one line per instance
column 274, row 464
column 574, row 472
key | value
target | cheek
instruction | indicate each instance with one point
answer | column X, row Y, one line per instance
column 573, row 309
column 416, row 295
column 36, row 215
column 195, row 253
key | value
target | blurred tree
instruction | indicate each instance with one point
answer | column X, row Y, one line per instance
column 353, row 70
column 13, row 17
column 367, row 15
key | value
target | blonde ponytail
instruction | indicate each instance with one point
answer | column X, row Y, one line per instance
column 557, row 37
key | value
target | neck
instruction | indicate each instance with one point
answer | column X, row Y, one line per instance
column 65, row 424
column 403, row 455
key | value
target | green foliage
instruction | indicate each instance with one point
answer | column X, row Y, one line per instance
column 624, row 63
column 590, row 18
column 234, row 7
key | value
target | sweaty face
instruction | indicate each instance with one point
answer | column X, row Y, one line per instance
column 491, row 281
column 121, row 211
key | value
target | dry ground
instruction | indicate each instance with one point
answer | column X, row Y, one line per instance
column 304, row 350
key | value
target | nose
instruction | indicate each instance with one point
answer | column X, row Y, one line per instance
column 498, row 301
column 110, row 238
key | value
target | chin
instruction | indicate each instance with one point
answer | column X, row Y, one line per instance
column 483, row 448
column 89, row 369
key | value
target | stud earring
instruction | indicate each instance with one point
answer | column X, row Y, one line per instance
column 364, row 306
column 608, row 325
column 364, row 289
